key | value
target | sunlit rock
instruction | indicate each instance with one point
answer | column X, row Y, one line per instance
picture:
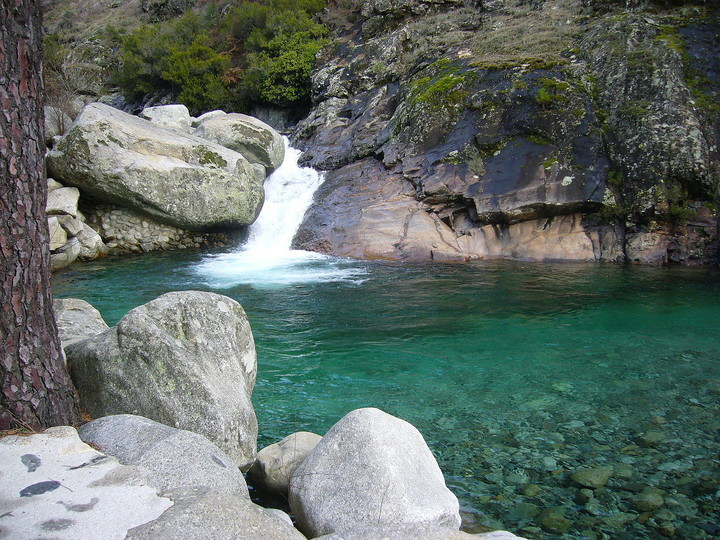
column 370, row 468
column 176, row 178
column 186, row 359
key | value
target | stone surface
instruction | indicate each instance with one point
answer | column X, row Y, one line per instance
column 198, row 514
column 186, row 359
column 125, row 230
column 255, row 140
column 370, row 468
column 414, row 532
column 56, row 123
column 77, row 320
column 55, row 486
column 179, row 179
column 363, row 213
column 58, row 235
column 72, row 225
column 593, row 477
column 207, row 116
column 175, row 458
column 478, row 135
column 63, row 201
column 53, row 184
column 175, row 117
column 275, row 464
column 91, row 244
column 65, row 255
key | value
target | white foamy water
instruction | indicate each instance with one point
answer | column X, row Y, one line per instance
column 266, row 257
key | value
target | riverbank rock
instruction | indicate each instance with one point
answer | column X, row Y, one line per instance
column 491, row 144
column 198, row 514
column 186, row 359
column 63, row 201
column 175, row 458
column 55, row 486
column 275, row 464
column 370, row 468
column 128, row 231
column 77, row 320
column 70, row 237
column 254, row 139
column 176, row 178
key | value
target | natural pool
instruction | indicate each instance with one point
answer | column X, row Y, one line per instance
column 516, row 374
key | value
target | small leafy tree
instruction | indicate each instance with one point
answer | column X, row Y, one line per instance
column 197, row 70
column 258, row 52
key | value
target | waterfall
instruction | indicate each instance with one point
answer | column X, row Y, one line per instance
column 266, row 258
column 288, row 194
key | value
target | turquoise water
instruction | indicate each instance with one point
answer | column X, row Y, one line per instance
column 516, row 374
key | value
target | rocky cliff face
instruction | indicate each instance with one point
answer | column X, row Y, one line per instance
column 535, row 130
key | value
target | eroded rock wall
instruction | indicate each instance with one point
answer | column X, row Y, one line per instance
column 441, row 122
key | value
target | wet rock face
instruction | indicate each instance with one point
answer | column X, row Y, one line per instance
column 404, row 98
column 655, row 129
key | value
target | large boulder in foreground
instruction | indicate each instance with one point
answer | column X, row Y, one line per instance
column 186, row 359
column 176, row 178
column 370, row 468
column 174, row 458
column 254, row 139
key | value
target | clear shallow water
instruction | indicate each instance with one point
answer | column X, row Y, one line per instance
column 516, row 374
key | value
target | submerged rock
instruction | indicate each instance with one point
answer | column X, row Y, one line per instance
column 370, row 468
column 176, row 178
column 594, row 477
column 186, row 359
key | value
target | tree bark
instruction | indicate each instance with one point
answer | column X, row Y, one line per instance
column 36, row 389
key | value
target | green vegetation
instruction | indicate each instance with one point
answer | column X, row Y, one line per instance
column 552, row 91
column 701, row 88
column 444, row 88
column 635, row 109
column 257, row 52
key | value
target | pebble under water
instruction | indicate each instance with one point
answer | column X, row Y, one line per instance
column 518, row 376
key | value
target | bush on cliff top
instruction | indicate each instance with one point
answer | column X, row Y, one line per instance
column 257, row 52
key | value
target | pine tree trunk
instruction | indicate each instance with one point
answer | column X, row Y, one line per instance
column 36, row 389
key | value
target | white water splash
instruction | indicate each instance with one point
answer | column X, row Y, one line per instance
column 266, row 257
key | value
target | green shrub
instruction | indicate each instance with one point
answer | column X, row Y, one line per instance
column 197, row 70
column 258, row 52
column 280, row 74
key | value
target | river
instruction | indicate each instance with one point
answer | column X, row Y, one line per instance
column 516, row 374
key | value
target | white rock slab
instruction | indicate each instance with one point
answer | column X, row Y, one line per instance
column 52, row 485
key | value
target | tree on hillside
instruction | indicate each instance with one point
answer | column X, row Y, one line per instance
column 36, row 390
